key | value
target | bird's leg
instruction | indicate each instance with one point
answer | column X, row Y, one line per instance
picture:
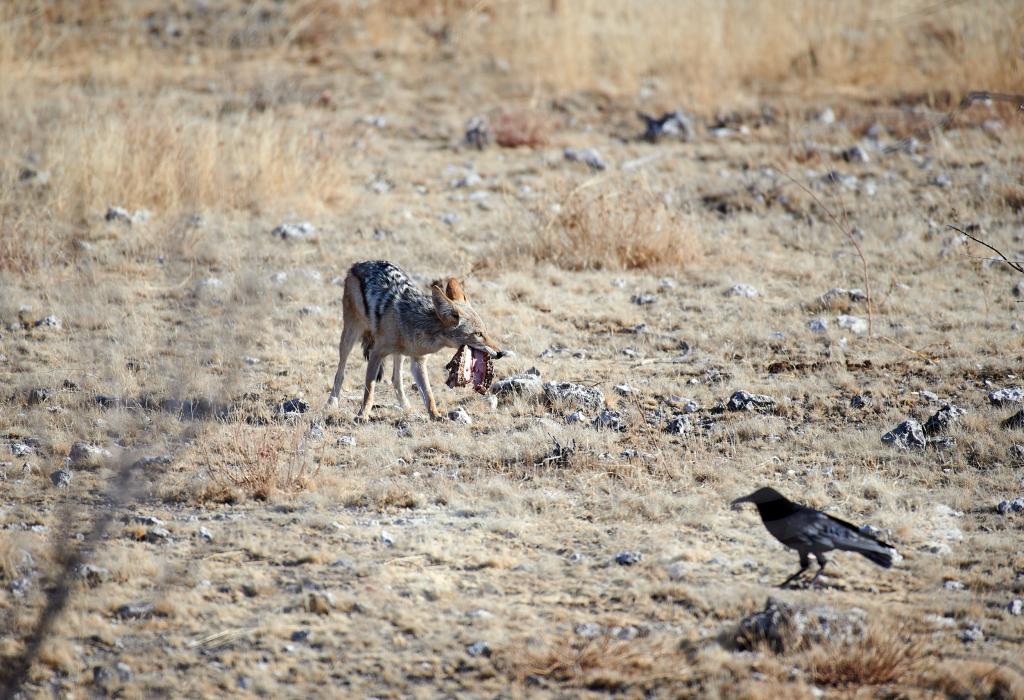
column 805, row 562
column 821, row 567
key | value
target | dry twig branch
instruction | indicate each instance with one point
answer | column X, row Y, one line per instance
column 1012, row 263
column 849, row 235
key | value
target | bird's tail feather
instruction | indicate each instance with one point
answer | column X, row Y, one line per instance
column 882, row 558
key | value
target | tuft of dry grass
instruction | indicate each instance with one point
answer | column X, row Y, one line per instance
column 883, row 656
column 599, row 663
column 625, row 227
column 259, row 461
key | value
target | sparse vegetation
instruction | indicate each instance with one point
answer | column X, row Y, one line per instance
column 255, row 550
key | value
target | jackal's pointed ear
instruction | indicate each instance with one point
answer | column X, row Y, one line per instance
column 455, row 292
column 444, row 307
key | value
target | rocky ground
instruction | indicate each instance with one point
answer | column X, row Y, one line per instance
column 764, row 296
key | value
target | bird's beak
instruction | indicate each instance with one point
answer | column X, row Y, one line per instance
column 738, row 503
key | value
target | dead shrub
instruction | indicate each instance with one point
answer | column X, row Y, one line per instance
column 260, row 460
column 882, row 656
column 627, row 228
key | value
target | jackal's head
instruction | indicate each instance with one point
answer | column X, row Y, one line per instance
column 461, row 324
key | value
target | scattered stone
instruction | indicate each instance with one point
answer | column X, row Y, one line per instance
column 946, row 417
column 294, row 406
column 858, row 401
column 1016, row 607
column 577, row 417
column 817, row 325
column 628, row 558
column 942, row 444
column 1017, row 453
column 479, row 649
column 345, row 441
column 687, row 405
column 92, row 575
column 84, row 455
column 741, row 290
column 478, row 132
column 312, row 310
column 20, row 449
column 745, row 401
column 301, row 231
column 838, row 296
column 578, row 396
column 1018, row 289
column 589, row 156
column 643, row 299
column 315, row 432
column 459, row 415
column 608, row 419
column 855, row 154
column 589, row 630
column 785, row 627
column 971, row 634
column 50, row 321
column 1007, row 396
column 827, row 116
column 147, row 520
column 1014, row 506
column 39, row 395
column 908, row 434
column 525, row 384
column 300, row 636
column 624, row 389
column 157, row 535
column 205, row 534
column 953, row 585
column 386, row 539
column 61, row 478
column 1015, row 421
column 118, row 214
column 854, row 324
column 135, row 611
column 679, row 424
column 677, row 124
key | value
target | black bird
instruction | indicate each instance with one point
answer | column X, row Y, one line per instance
column 810, row 531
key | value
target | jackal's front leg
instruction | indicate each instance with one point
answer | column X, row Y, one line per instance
column 419, row 373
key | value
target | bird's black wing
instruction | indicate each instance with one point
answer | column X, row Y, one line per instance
column 854, row 528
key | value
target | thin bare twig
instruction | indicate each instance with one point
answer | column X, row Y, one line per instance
column 849, row 235
column 1012, row 263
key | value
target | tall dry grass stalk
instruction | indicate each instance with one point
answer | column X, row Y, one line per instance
column 615, row 226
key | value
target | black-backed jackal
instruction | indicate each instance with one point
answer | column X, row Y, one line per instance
column 385, row 310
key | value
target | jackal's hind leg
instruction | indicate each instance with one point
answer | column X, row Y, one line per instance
column 349, row 336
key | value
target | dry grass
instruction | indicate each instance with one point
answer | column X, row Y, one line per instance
column 885, row 656
column 258, row 462
column 615, row 225
column 599, row 663
column 431, row 537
